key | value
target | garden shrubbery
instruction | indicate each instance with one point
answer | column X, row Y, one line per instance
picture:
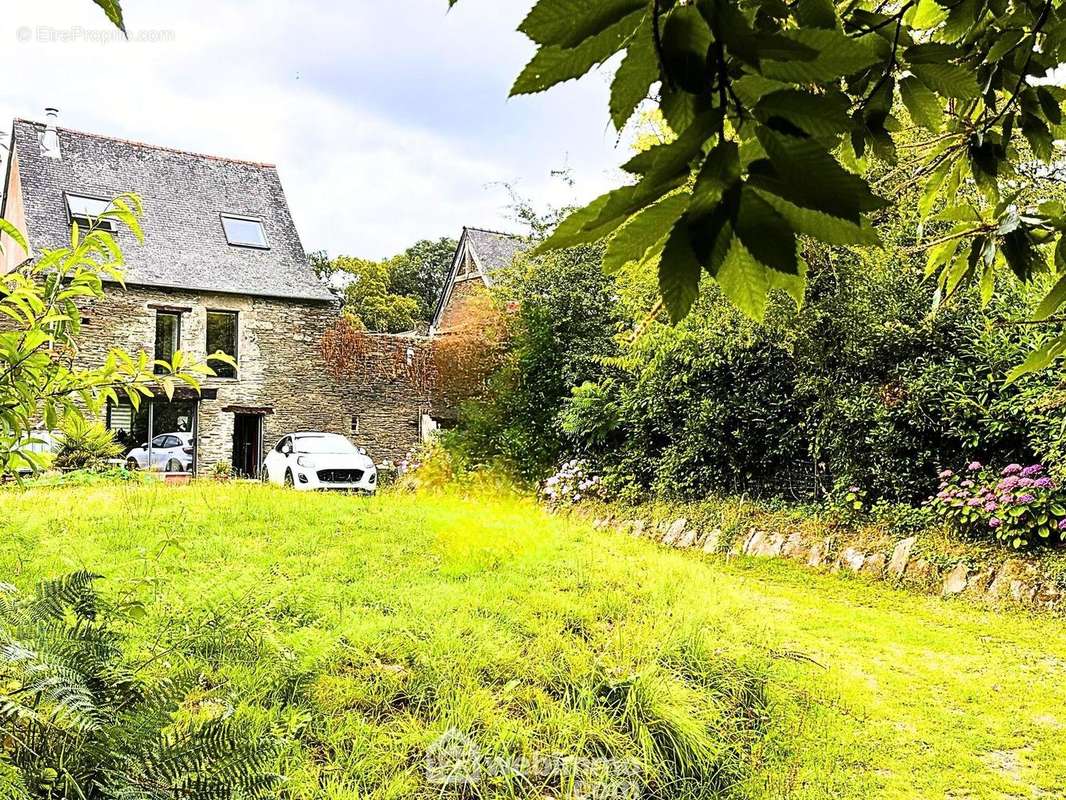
column 1018, row 505
column 873, row 386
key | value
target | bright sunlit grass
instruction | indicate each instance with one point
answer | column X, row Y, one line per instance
column 363, row 629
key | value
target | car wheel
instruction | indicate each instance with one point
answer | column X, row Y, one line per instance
column 288, row 478
column 132, row 465
column 173, row 465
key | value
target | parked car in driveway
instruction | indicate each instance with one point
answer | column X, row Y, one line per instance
column 313, row 460
column 171, row 452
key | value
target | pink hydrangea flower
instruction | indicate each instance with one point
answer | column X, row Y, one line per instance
column 991, row 506
column 945, row 474
column 1012, row 469
column 1032, row 471
column 995, row 522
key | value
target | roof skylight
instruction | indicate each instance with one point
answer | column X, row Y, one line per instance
column 244, row 231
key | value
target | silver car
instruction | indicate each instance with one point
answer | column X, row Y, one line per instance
column 171, row 452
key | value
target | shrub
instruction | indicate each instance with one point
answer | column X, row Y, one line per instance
column 79, row 720
column 222, row 471
column 572, row 483
column 1020, row 506
column 85, row 444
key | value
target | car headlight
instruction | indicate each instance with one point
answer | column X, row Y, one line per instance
column 305, row 461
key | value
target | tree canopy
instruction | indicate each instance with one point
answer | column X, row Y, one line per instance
column 784, row 111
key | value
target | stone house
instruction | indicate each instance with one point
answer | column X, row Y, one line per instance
column 221, row 267
column 478, row 256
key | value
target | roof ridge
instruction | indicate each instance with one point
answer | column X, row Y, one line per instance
column 136, row 143
column 497, row 233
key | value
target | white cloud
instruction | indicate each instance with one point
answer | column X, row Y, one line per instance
column 388, row 122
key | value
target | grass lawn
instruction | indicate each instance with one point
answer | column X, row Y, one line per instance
column 363, row 629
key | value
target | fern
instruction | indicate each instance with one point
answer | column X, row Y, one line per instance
column 78, row 721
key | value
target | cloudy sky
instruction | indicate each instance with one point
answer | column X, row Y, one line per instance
column 389, row 122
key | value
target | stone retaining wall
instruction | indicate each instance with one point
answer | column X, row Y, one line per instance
column 1013, row 580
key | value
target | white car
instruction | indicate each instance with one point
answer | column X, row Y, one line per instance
column 171, row 452
column 320, row 461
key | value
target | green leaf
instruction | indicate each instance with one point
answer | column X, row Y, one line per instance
column 672, row 158
column 114, row 13
column 795, row 286
column 744, row 281
column 1053, row 301
column 765, row 233
column 604, row 214
column 948, row 80
column 637, row 72
column 553, row 64
column 925, row 15
column 817, row 14
column 804, row 173
column 838, row 55
column 1007, row 41
column 633, row 240
column 567, row 23
column 720, row 170
column 823, row 227
column 1036, row 132
column 679, row 272
column 922, row 104
column 686, row 40
column 15, row 234
column 816, row 114
column 1039, row 358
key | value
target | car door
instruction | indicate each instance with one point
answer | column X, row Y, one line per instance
column 160, row 453
column 276, row 462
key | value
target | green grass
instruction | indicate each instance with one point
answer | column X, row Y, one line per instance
column 362, row 629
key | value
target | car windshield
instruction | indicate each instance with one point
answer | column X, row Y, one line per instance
column 326, row 443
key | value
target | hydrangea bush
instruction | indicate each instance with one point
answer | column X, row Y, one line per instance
column 573, row 483
column 1020, row 506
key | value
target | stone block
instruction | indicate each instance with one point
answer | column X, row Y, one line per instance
column 874, row 565
column 754, row 543
column 687, row 538
column 818, row 554
column 712, row 540
column 955, row 581
column 674, row 531
column 901, row 554
column 852, row 559
column 793, row 547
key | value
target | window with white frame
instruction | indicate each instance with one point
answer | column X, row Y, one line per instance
column 244, row 231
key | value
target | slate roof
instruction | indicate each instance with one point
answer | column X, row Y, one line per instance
column 492, row 251
column 184, row 195
column 495, row 250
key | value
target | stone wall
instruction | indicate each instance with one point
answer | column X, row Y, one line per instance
column 908, row 562
column 387, row 393
column 280, row 366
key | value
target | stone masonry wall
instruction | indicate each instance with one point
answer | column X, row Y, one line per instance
column 908, row 562
column 279, row 360
column 387, row 394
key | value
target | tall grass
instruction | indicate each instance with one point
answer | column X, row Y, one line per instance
column 360, row 631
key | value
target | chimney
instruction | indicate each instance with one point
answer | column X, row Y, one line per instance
column 50, row 137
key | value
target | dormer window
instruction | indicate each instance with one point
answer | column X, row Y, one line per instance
column 244, row 231
column 86, row 212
